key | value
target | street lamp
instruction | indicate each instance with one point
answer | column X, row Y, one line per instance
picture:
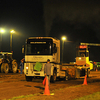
column 11, row 32
column 63, row 39
column 1, row 31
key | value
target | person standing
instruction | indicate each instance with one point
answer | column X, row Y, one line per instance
column 47, row 70
column 21, row 66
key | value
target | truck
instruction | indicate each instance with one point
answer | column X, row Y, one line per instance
column 38, row 49
column 82, row 57
column 82, row 60
column 7, row 63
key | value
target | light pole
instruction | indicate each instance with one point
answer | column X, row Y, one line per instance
column 11, row 32
column 63, row 39
column 1, row 31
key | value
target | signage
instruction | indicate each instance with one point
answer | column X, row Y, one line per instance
column 82, row 46
column 38, row 42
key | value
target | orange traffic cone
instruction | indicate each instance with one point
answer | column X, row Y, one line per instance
column 85, row 80
column 96, row 70
column 45, row 82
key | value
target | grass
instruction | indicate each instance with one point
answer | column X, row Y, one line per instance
column 94, row 96
column 19, row 97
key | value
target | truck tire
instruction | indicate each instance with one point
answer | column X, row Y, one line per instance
column 54, row 77
column 28, row 78
column 2, row 68
column 14, row 66
column 6, row 68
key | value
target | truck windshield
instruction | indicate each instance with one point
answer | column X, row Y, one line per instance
column 39, row 47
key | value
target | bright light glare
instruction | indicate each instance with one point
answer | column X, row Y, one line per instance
column 64, row 38
column 12, row 31
column 2, row 31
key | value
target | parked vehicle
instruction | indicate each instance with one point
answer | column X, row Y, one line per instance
column 7, row 63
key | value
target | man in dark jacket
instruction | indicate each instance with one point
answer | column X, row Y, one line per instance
column 21, row 66
column 47, row 70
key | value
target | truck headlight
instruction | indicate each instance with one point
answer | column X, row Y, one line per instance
column 26, row 67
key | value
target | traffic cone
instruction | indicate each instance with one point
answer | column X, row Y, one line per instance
column 85, row 80
column 44, row 81
column 46, row 91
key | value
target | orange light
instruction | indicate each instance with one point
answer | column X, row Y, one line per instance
column 82, row 46
column 94, row 63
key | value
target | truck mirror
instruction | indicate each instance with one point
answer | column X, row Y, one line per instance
column 23, row 49
column 55, row 49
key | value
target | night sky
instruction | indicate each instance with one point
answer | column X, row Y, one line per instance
column 78, row 20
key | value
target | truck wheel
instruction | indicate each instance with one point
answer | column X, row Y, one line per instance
column 28, row 78
column 14, row 67
column 54, row 77
column 2, row 68
column 6, row 68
